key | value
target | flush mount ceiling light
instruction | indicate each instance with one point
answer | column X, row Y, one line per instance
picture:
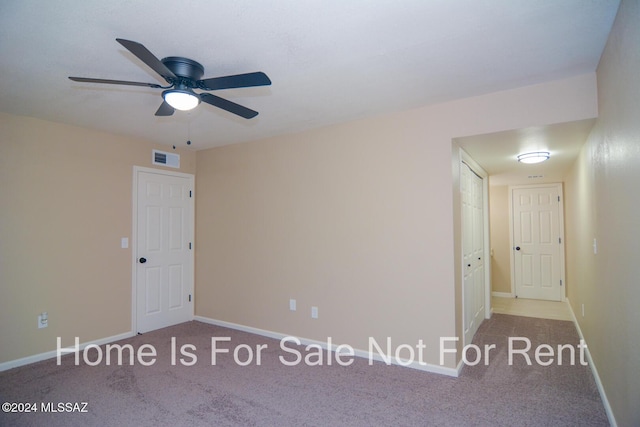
column 181, row 98
column 535, row 157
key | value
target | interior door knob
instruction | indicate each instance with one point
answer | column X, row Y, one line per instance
column 142, row 260
column 517, row 248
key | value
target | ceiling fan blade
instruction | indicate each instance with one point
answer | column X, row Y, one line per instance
column 239, row 80
column 148, row 58
column 165, row 109
column 229, row 106
column 114, row 82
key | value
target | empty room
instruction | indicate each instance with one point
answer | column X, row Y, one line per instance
column 278, row 213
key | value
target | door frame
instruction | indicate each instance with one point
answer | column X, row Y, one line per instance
column 478, row 170
column 512, row 260
column 133, row 244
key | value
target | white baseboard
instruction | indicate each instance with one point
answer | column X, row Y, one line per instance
column 603, row 395
column 51, row 354
column 427, row 367
column 502, row 294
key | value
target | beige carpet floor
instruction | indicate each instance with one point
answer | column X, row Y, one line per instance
column 274, row 394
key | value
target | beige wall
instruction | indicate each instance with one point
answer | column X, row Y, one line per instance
column 65, row 202
column 602, row 202
column 500, row 242
column 357, row 219
column 332, row 218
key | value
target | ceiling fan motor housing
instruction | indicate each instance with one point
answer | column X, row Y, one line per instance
column 184, row 68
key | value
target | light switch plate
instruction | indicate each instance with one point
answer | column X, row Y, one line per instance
column 124, row 242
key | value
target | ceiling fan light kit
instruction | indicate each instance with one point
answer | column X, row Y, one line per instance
column 534, row 157
column 181, row 99
column 183, row 76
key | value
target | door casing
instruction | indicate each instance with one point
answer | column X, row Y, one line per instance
column 134, row 237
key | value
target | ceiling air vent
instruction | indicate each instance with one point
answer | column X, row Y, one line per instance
column 165, row 159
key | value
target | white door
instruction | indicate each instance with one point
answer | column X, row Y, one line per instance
column 473, row 251
column 537, row 242
column 164, row 255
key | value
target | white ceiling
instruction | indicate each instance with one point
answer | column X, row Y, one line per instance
column 330, row 60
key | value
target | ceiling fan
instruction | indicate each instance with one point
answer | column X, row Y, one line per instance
column 183, row 76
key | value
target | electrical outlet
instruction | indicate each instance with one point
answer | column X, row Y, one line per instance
column 292, row 304
column 43, row 320
column 314, row 312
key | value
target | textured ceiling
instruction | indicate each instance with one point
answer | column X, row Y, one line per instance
column 330, row 61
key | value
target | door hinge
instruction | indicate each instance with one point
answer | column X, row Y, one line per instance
column 560, row 282
column 191, row 194
column 189, row 245
column 189, row 297
column 558, row 198
column 560, row 240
